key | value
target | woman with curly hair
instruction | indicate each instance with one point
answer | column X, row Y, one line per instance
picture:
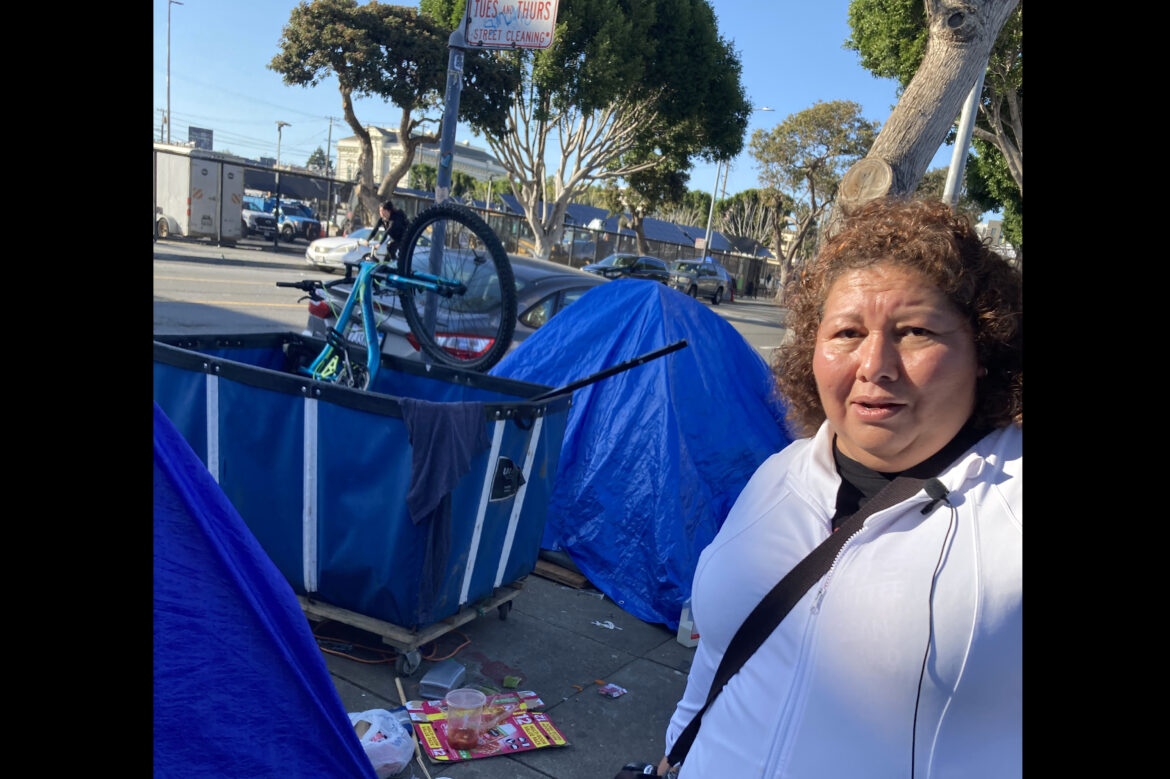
column 905, row 658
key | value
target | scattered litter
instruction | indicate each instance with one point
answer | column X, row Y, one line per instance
column 612, row 690
column 512, row 725
column 384, row 741
column 441, row 679
column 608, row 624
column 511, row 682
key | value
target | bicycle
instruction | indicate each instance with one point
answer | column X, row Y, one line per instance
column 461, row 311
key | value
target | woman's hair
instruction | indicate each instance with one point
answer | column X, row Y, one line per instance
column 928, row 237
column 389, row 206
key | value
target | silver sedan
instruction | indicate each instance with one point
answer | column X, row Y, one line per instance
column 329, row 253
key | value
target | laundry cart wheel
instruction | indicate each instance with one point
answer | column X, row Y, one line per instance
column 504, row 608
column 408, row 662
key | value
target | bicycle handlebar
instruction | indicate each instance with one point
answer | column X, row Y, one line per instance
column 305, row 285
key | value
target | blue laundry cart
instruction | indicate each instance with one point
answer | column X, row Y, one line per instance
column 405, row 510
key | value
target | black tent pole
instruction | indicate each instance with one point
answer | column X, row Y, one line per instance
column 576, row 385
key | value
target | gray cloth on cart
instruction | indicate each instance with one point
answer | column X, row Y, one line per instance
column 444, row 439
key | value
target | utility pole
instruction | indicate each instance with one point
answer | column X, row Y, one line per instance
column 711, row 213
column 276, row 212
column 169, row 4
column 329, row 183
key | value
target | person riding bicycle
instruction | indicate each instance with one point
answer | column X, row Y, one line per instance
column 391, row 225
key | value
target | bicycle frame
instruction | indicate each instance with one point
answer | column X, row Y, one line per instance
column 325, row 367
column 474, row 246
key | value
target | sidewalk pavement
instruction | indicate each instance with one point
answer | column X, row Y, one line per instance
column 761, row 299
column 558, row 640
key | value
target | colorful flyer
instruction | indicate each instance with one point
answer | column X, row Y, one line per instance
column 510, row 725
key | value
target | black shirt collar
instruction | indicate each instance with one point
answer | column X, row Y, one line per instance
column 859, row 483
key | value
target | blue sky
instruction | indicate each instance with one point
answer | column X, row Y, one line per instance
column 791, row 52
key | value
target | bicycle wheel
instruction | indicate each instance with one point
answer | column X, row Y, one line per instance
column 473, row 325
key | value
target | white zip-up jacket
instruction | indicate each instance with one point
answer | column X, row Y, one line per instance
column 832, row 692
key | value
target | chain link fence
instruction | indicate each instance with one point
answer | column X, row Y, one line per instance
column 175, row 196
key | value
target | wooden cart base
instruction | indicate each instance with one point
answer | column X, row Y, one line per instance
column 406, row 641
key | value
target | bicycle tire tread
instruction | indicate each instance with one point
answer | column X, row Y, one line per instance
column 459, row 214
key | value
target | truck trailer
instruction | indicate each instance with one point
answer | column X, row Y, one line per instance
column 197, row 193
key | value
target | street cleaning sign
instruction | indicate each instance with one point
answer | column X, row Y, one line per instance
column 511, row 24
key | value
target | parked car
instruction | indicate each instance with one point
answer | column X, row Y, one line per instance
column 164, row 226
column 543, row 290
column 254, row 222
column 330, row 253
column 574, row 250
column 698, row 278
column 296, row 220
column 631, row 265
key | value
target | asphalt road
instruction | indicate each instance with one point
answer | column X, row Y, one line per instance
column 203, row 288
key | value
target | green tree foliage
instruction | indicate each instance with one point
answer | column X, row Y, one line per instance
column 890, row 37
column 392, row 52
column 759, row 214
column 990, row 184
column 933, row 185
column 490, row 191
column 624, row 88
column 646, row 190
column 462, row 184
column 593, row 195
column 317, row 160
column 691, row 209
column 426, row 177
column 423, row 177
column 803, row 158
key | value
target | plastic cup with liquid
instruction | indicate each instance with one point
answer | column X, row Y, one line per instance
column 464, row 717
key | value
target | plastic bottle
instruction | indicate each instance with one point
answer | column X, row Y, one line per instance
column 687, row 634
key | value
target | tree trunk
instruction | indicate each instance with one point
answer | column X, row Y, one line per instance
column 638, row 223
column 1012, row 152
column 365, row 177
column 408, row 142
column 803, row 226
column 962, row 34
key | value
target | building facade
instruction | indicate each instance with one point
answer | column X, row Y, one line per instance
column 473, row 161
column 991, row 231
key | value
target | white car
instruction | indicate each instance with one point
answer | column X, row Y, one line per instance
column 330, row 253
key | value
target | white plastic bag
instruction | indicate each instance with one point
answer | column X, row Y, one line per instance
column 384, row 740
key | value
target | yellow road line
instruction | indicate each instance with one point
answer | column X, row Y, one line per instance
column 236, row 303
column 216, row 281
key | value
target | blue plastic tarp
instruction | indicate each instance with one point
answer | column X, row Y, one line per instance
column 240, row 687
column 653, row 457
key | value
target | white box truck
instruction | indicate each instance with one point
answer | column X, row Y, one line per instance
column 197, row 193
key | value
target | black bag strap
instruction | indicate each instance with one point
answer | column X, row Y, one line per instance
column 770, row 611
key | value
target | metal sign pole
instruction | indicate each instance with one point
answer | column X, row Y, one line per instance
column 456, row 44
column 954, row 183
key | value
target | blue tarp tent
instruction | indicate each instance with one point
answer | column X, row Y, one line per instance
column 653, row 457
column 240, row 687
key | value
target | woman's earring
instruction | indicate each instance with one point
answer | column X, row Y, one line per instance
column 981, row 372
